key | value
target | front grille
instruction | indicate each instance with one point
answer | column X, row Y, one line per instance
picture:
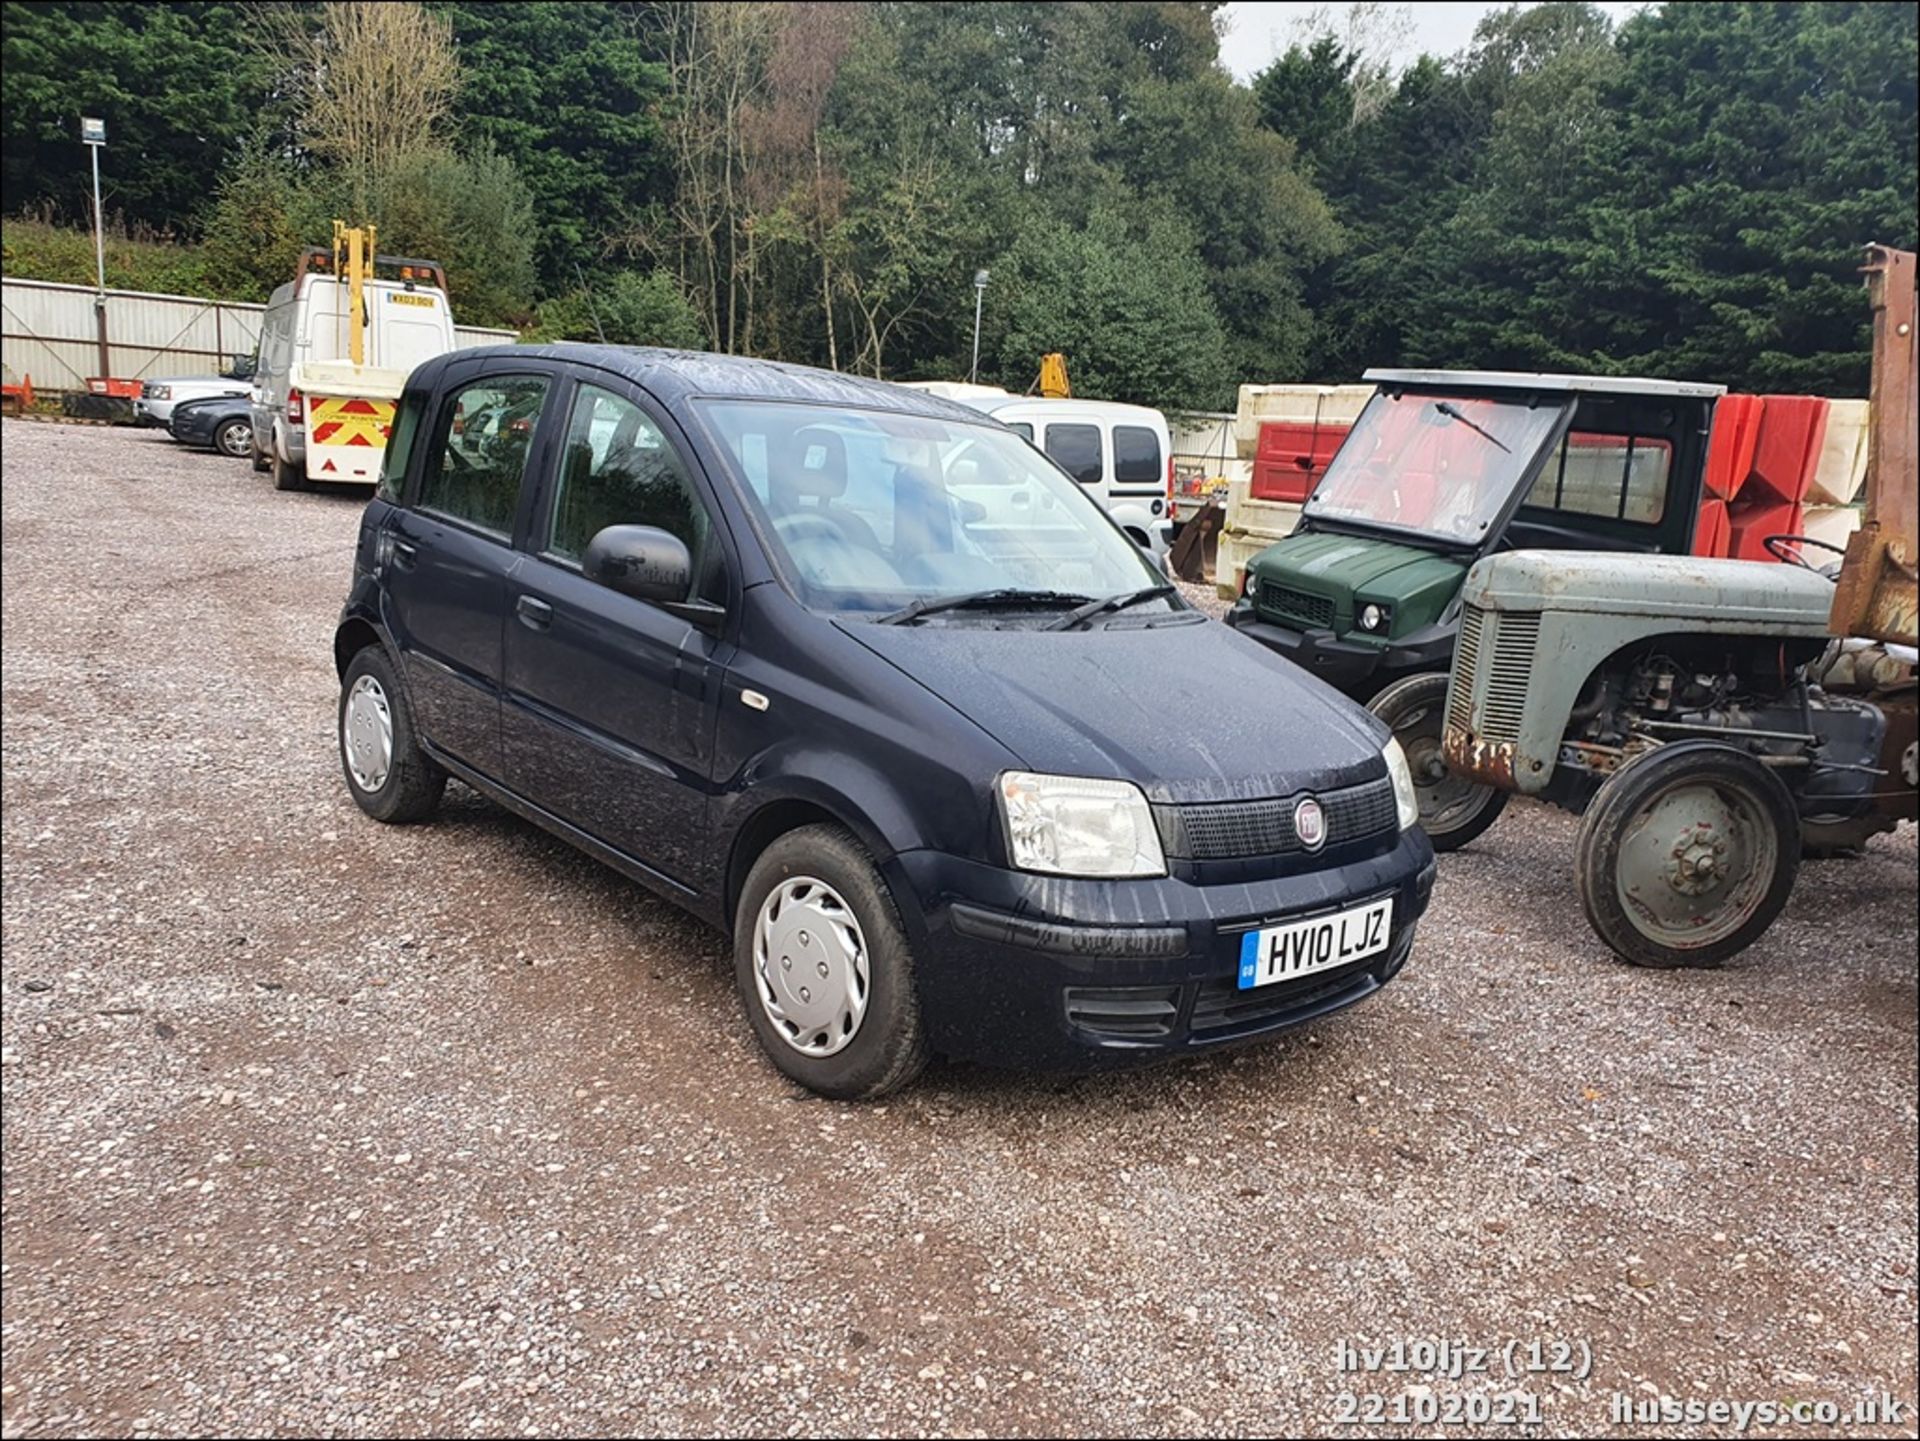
column 1221, row 1005
column 1297, row 605
column 1466, row 665
column 1126, row 1012
column 1238, row 830
column 1516, row 635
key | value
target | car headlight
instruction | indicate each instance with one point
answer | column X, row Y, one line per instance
column 1078, row 826
column 163, row 392
column 1375, row 618
column 1405, row 799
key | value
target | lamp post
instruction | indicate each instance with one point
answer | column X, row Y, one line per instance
column 979, row 294
column 93, row 134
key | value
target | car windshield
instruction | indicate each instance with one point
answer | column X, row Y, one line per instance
column 1441, row 465
column 869, row 512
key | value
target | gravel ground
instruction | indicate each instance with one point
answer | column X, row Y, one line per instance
column 313, row 1125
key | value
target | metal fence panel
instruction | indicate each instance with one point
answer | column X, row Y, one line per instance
column 48, row 331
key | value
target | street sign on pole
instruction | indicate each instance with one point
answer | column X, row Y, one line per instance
column 93, row 134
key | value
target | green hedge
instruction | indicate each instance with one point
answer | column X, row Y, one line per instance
column 35, row 250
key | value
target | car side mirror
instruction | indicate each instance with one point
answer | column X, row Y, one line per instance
column 642, row 561
column 241, row 367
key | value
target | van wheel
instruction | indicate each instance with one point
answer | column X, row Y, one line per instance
column 1453, row 810
column 391, row 778
column 1686, row 855
column 824, row 969
column 287, row 477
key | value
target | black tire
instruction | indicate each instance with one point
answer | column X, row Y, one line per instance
column 260, row 462
column 1825, row 840
column 1645, row 827
column 413, row 782
column 287, row 477
column 888, row 1048
column 233, row 438
column 1453, row 811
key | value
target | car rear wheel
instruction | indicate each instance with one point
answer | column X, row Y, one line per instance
column 1453, row 810
column 1686, row 855
column 234, row 438
column 391, row 778
column 824, row 969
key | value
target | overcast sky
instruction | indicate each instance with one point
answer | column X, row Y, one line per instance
column 1261, row 29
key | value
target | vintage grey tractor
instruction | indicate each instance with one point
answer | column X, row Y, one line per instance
column 1701, row 719
column 1710, row 720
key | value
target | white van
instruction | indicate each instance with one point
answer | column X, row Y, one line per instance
column 316, row 415
column 1121, row 454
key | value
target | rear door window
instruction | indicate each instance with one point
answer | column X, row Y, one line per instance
column 1136, row 456
column 480, row 451
column 1076, row 449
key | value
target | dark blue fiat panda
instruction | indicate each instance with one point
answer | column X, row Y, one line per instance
column 859, row 676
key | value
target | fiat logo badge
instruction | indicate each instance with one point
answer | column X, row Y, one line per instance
column 1310, row 824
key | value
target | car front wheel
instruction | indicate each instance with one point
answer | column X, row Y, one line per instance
column 391, row 778
column 824, row 969
column 234, row 438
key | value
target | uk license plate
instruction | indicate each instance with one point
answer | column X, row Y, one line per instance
column 1282, row 953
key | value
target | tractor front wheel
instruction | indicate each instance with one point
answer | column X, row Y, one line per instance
column 1686, row 855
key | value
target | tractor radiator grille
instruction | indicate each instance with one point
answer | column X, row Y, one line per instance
column 1516, row 635
column 1466, row 665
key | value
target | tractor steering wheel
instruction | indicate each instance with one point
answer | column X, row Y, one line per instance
column 1786, row 548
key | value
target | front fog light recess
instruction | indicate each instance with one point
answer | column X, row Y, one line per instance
column 1079, row 826
column 1406, row 800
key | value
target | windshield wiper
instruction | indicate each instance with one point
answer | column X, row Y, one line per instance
column 1079, row 615
column 1453, row 412
column 978, row 600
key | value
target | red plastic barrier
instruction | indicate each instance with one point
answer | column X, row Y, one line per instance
column 1792, row 430
column 1712, row 533
column 1291, row 458
column 1736, row 429
column 1757, row 516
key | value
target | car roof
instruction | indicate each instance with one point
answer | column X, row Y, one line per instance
column 675, row 375
column 1536, row 380
column 1112, row 409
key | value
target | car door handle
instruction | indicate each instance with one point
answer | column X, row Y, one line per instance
column 405, row 554
column 533, row 612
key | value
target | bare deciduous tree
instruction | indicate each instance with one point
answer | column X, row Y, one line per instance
column 372, row 80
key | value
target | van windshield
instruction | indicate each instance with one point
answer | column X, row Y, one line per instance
column 1440, row 465
column 869, row 511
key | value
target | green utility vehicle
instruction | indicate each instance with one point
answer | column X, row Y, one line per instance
column 1440, row 469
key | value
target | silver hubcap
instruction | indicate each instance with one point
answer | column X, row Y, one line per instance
column 366, row 734
column 236, row 440
column 1695, row 864
column 810, row 966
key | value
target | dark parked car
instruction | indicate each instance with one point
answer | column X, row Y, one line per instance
column 777, row 644
column 219, row 422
